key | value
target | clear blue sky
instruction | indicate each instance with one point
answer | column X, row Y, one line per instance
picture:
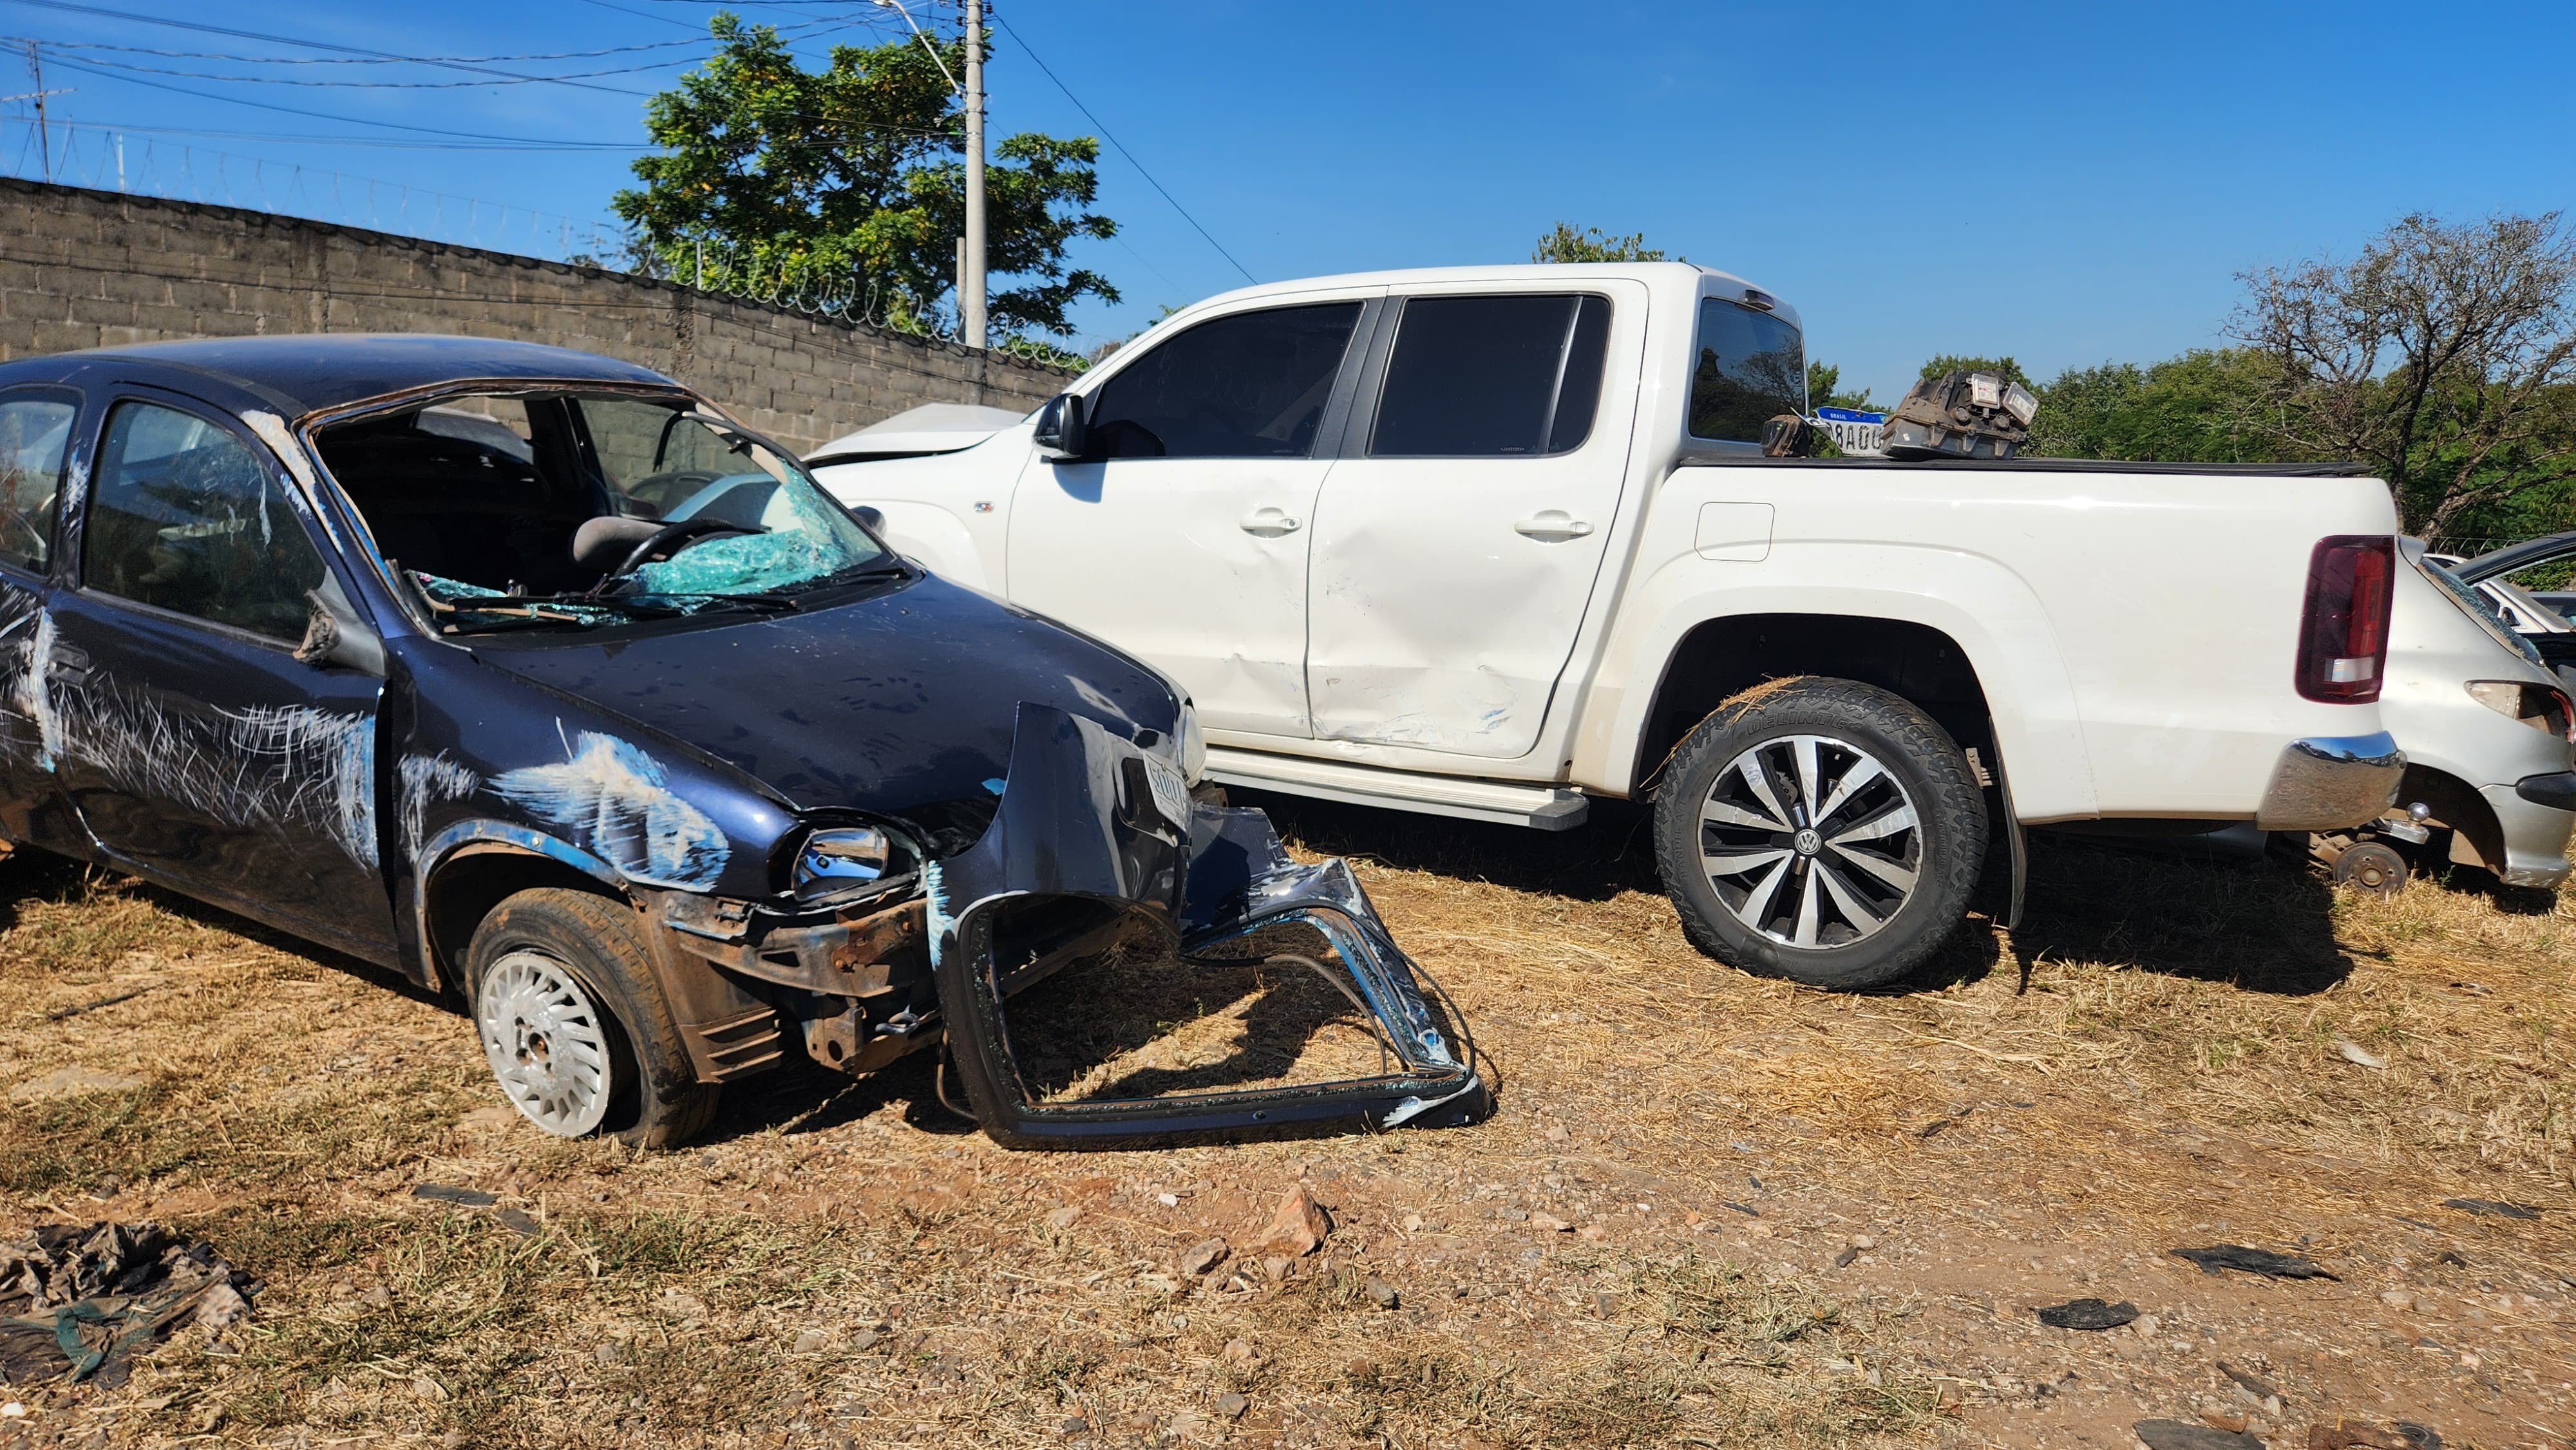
column 2063, row 182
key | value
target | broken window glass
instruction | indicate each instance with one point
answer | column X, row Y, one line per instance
column 573, row 510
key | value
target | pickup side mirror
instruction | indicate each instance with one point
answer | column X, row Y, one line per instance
column 335, row 635
column 1062, row 432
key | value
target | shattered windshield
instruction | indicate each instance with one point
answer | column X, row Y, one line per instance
column 574, row 511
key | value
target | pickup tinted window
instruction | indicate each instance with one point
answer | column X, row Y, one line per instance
column 1248, row 386
column 33, row 434
column 185, row 518
column 1752, row 368
column 1489, row 377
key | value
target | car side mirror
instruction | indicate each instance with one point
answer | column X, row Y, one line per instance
column 1062, row 432
column 870, row 515
column 335, row 635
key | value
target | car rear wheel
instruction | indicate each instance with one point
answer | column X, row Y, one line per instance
column 574, row 1026
column 1821, row 830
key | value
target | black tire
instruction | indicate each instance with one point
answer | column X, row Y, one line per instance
column 652, row 1098
column 1844, row 896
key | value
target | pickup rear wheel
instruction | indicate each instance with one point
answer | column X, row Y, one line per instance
column 575, row 1028
column 1821, row 830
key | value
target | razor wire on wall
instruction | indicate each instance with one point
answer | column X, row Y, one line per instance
column 104, row 159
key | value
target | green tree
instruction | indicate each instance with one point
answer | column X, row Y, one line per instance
column 2206, row 406
column 848, row 183
column 1565, row 244
column 2004, row 366
column 2444, row 356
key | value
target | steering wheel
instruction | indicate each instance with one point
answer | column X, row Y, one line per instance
column 668, row 540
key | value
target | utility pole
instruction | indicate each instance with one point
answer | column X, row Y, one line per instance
column 970, row 303
column 44, row 134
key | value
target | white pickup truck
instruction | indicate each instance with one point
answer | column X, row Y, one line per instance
column 1490, row 541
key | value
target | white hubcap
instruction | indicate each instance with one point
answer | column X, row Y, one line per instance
column 546, row 1041
column 1810, row 841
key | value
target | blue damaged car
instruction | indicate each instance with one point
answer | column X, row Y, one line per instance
column 537, row 678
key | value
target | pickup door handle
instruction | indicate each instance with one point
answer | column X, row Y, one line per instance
column 70, row 663
column 1552, row 526
column 1269, row 523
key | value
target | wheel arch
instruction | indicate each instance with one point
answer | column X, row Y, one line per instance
column 2456, row 803
column 475, row 866
column 1720, row 658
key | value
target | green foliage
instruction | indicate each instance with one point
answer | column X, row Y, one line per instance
column 849, row 182
column 2444, row 356
column 2202, row 407
column 1591, row 244
column 2004, row 366
column 1824, row 389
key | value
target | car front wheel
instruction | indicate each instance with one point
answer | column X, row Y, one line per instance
column 576, row 1030
column 1821, row 830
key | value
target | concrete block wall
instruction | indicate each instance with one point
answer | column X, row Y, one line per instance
column 81, row 268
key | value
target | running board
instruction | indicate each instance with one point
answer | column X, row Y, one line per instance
column 1540, row 807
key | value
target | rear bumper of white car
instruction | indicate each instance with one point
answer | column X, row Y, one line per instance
column 2537, row 815
column 2325, row 783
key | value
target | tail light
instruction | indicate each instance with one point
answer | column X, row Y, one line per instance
column 2343, row 634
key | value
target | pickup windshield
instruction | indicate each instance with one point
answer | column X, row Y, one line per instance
column 569, row 511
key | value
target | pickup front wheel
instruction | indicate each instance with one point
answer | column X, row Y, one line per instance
column 1820, row 830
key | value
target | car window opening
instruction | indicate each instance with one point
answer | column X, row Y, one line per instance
column 569, row 510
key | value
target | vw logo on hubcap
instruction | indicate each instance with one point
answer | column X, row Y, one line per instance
column 1808, row 842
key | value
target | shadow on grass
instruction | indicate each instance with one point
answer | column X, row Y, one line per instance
column 2264, row 925
column 33, row 875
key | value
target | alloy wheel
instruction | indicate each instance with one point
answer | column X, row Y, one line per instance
column 1810, row 841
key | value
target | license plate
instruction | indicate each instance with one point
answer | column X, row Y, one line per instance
column 1171, row 793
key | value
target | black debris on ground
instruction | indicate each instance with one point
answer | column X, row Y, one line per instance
column 2180, row 1435
column 2491, row 1206
column 2253, row 1261
column 2088, row 1314
column 79, row 1301
column 441, row 1193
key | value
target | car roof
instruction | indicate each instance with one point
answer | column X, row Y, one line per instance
column 301, row 373
column 2514, row 557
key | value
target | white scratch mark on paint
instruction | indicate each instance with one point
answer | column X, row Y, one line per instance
column 314, row 767
column 33, row 698
column 427, row 779
column 614, row 797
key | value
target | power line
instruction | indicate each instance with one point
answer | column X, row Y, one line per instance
column 129, row 66
column 352, row 120
column 79, row 9
column 385, row 59
column 1031, row 52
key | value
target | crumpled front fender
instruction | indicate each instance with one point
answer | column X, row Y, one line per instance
column 1081, row 858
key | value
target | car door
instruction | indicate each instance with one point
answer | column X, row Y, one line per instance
column 196, row 747
column 1458, row 537
column 36, row 429
column 1181, row 536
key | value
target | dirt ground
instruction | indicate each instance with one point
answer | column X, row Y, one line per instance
column 1710, row 1210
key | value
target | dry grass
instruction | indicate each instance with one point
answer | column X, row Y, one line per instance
column 2152, row 1060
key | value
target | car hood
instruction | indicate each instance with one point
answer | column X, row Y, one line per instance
column 900, row 703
